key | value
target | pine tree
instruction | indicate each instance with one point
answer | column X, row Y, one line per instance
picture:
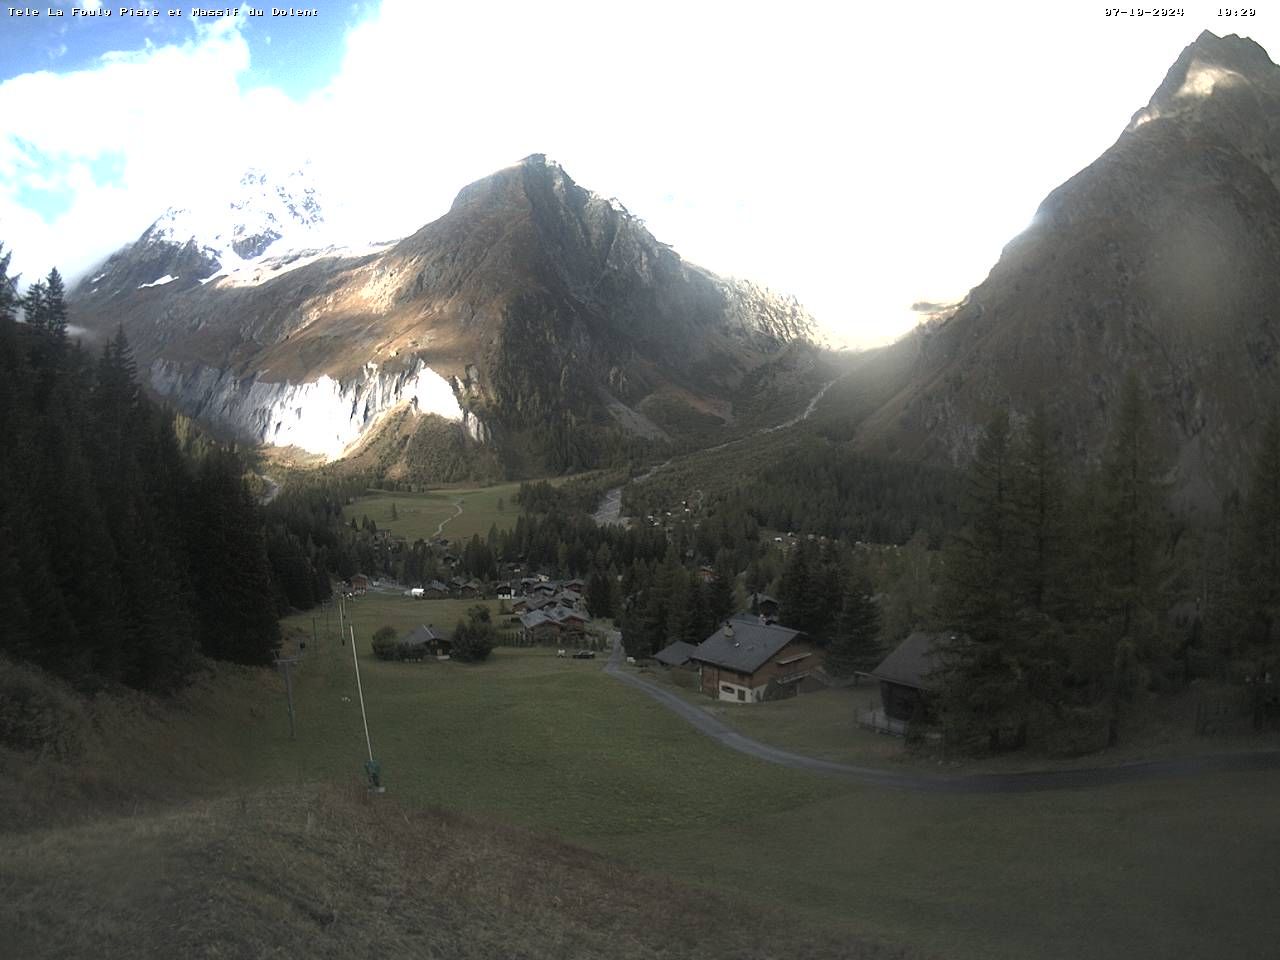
column 1258, row 556
column 8, row 298
column 856, row 643
column 984, row 694
column 1126, row 550
column 35, row 306
column 54, row 305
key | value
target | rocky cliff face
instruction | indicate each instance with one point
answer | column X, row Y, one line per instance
column 549, row 314
column 1159, row 257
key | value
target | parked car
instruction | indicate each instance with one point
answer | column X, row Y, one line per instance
column 585, row 655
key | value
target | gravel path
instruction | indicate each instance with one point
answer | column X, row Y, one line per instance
column 930, row 783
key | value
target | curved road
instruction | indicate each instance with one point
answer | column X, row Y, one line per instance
column 965, row 783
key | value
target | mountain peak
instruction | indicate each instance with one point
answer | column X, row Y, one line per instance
column 1210, row 64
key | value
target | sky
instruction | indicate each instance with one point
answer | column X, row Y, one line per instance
column 862, row 157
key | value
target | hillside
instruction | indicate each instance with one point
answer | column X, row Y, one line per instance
column 1158, row 258
column 537, row 317
column 324, row 872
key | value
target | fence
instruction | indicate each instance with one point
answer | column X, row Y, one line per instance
column 877, row 720
column 585, row 641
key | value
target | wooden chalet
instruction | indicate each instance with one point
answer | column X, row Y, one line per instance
column 537, row 627
column 764, row 605
column 676, row 654
column 435, row 590
column 745, row 657
column 359, row 583
column 906, row 675
column 425, row 640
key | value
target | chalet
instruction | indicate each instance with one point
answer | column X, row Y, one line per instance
column 546, row 588
column 471, row 589
column 570, row 599
column 745, row 657
column 763, row 604
column 455, row 586
column 358, row 583
column 570, row 621
column 506, row 591
column 424, row 640
column 906, row 675
column 537, row 627
column 676, row 654
column 435, row 590
column 577, row 584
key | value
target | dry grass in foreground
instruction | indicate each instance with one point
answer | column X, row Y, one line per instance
column 322, row 871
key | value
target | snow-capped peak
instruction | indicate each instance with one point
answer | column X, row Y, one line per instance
column 262, row 213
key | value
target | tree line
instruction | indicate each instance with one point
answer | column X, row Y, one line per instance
column 1057, row 589
column 121, row 559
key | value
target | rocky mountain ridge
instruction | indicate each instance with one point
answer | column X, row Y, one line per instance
column 533, row 307
column 1159, row 258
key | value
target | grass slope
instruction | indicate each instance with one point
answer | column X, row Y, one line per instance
column 419, row 514
column 1174, row 869
column 323, row 872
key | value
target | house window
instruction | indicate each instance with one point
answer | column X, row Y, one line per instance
column 726, row 688
column 742, row 695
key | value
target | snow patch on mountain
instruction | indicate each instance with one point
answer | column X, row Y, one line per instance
column 324, row 416
column 167, row 278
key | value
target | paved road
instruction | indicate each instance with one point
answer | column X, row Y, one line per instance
column 929, row 783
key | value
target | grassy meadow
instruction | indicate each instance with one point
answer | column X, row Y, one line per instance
column 1176, row 868
column 420, row 514
column 560, row 753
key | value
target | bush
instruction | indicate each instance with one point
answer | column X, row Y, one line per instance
column 474, row 641
column 386, row 646
column 1078, row 731
column 39, row 712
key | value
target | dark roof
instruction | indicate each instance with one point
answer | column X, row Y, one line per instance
column 535, row 618
column 912, row 661
column 759, row 598
column 675, row 654
column 747, row 648
column 422, row 634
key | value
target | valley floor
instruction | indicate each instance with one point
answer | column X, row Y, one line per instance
column 1182, row 867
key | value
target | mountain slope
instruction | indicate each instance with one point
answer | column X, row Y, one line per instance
column 1158, row 257
column 532, row 305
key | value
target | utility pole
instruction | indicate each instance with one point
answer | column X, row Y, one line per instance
column 286, row 665
column 372, row 767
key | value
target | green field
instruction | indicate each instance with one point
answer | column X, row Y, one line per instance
column 420, row 514
column 1177, row 868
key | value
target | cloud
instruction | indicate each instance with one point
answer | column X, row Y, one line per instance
column 170, row 115
column 837, row 156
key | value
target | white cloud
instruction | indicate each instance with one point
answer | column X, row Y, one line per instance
column 862, row 162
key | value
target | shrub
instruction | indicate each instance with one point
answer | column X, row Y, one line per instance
column 39, row 712
column 386, row 646
column 473, row 641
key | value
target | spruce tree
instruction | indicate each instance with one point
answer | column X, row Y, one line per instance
column 856, row 643
column 983, row 694
column 35, row 306
column 55, row 307
column 1126, row 550
column 1258, row 556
